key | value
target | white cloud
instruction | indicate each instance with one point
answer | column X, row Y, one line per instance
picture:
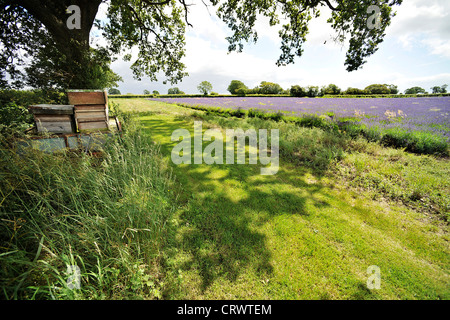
column 423, row 23
column 206, row 25
column 438, row 46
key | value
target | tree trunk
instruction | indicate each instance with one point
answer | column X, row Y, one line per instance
column 72, row 43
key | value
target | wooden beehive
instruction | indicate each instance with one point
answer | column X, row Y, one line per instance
column 53, row 118
column 90, row 109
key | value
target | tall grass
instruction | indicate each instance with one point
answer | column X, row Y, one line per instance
column 107, row 216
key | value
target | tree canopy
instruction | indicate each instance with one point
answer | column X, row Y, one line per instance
column 415, row 90
column 297, row 91
column 439, row 89
column 205, row 87
column 377, row 89
column 38, row 31
column 266, row 87
column 113, row 91
column 354, row 91
column 175, row 90
column 235, row 85
column 331, row 89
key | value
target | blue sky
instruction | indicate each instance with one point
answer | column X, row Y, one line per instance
column 416, row 52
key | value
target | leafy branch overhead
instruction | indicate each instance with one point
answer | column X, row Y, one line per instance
column 156, row 28
column 349, row 19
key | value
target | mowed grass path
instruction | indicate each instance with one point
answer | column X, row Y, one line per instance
column 241, row 235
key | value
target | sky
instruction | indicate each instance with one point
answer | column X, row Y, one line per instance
column 415, row 52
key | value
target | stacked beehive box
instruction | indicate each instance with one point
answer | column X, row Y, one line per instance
column 75, row 126
column 53, row 118
column 90, row 109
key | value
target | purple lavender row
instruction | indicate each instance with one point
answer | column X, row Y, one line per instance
column 416, row 114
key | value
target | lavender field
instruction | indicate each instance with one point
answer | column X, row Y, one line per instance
column 431, row 114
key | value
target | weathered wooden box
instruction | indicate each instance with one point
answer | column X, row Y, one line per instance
column 88, row 141
column 90, row 109
column 53, row 118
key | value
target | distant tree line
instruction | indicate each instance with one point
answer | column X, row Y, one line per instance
column 237, row 87
column 265, row 87
column 332, row 89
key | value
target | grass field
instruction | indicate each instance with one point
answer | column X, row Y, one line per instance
column 302, row 233
column 139, row 226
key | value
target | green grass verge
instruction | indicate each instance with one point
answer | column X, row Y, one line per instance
column 298, row 234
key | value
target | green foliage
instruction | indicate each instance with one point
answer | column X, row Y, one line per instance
column 416, row 141
column 354, row 91
column 392, row 88
column 349, row 19
column 235, row 85
column 26, row 98
column 52, row 69
column 266, row 87
column 377, row 89
column 415, row 90
column 312, row 91
column 441, row 89
column 238, row 113
column 21, row 36
column 175, row 90
column 415, row 180
column 374, row 89
column 181, row 95
column 297, row 91
column 155, row 92
column 205, row 87
column 241, row 92
column 157, row 30
column 353, row 19
column 14, row 116
column 419, row 142
column 331, row 89
column 255, row 113
column 114, row 91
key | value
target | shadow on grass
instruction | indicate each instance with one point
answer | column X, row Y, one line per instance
column 225, row 208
